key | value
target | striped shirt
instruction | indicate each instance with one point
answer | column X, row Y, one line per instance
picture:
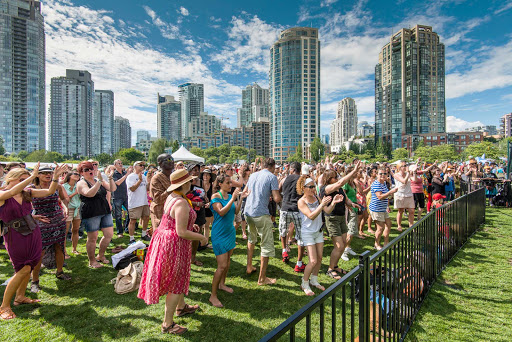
column 378, row 205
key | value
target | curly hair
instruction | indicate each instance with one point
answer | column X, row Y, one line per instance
column 300, row 184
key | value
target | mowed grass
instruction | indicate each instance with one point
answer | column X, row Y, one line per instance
column 472, row 299
column 87, row 308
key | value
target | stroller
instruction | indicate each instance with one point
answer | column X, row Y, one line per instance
column 503, row 197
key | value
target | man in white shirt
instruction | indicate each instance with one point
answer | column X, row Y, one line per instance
column 138, row 205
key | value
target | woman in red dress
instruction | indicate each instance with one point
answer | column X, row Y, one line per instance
column 167, row 263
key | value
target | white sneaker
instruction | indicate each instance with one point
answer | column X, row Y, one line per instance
column 345, row 256
column 350, row 251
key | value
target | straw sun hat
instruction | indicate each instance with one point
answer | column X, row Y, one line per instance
column 178, row 178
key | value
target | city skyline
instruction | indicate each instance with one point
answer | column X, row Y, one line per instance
column 228, row 49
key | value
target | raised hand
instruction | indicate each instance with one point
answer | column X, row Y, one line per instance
column 98, row 175
column 35, row 172
column 236, row 192
column 326, row 200
column 338, row 198
column 59, row 170
column 245, row 193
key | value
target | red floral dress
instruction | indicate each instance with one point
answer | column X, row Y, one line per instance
column 167, row 263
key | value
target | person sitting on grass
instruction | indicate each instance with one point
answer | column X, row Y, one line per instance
column 310, row 232
column 223, row 232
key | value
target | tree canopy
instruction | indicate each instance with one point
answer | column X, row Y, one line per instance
column 129, row 155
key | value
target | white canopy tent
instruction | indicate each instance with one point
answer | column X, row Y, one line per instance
column 182, row 154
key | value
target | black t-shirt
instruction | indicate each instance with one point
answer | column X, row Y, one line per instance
column 121, row 191
column 438, row 185
column 290, row 195
column 339, row 209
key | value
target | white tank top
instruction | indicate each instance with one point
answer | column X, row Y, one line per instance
column 311, row 226
column 404, row 190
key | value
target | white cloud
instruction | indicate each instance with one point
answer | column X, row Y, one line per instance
column 504, row 8
column 326, row 3
column 215, row 20
column 167, row 30
column 492, row 70
column 454, row 124
column 247, row 47
column 134, row 72
column 184, row 11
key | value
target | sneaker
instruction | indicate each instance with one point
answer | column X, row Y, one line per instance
column 300, row 269
column 131, row 242
column 285, row 256
column 344, row 256
column 350, row 251
column 34, row 287
column 146, row 238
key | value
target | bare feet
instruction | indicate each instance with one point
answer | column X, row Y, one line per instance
column 267, row 281
column 66, row 256
column 6, row 313
column 250, row 269
column 226, row 288
column 216, row 302
column 102, row 260
column 371, row 231
column 95, row 265
column 377, row 247
column 244, row 236
column 25, row 300
column 399, row 229
column 76, row 253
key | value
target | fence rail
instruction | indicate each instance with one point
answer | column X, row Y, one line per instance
column 379, row 299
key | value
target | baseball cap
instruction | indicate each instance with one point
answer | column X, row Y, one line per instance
column 305, row 169
column 437, row 197
column 139, row 162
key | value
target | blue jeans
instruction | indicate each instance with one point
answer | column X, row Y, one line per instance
column 118, row 213
column 450, row 195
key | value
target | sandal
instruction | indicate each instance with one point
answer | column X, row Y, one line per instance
column 187, row 310
column 62, row 276
column 339, row 270
column 103, row 261
column 197, row 263
column 333, row 274
column 96, row 266
column 6, row 314
column 26, row 301
column 34, row 287
column 174, row 329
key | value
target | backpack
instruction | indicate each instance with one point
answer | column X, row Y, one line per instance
column 128, row 279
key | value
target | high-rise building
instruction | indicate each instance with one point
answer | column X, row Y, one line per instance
column 344, row 126
column 22, row 76
column 168, row 118
column 506, row 125
column 487, row 129
column 191, row 97
column 70, row 115
column 204, row 124
column 294, row 91
column 103, row 122
column 410, row 85
column 122, row 133
column 143, row 135
column 364, row 129
column 255, row 105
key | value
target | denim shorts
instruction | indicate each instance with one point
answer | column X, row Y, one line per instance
column 93, row 224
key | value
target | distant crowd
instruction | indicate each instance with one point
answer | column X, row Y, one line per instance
column 183, row 208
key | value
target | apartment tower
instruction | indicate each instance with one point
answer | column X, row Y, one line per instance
column 294, row 91
column 122, row 133
column 169, row 118
column 70, row 115
column 191, row 97
column 255, row 105
column 22, row 76
column 103, row 122
column 410, row 85
column 344, row 126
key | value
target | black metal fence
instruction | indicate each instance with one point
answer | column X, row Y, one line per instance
column 379, row 299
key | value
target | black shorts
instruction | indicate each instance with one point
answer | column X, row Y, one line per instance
column 208, row 212
column 201, row 217
column 419, row 200
column 272, row 208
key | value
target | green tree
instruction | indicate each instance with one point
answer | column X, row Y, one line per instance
column 175, row 145
column 503, row 146
column 129, row 155
column 224, row 150
column 2, row 148
column 491, row 139
column 212, row 160
column 400, row 154
column 22, row 155
column 478, row 149
column 297, row 156
column 104, row 159
column 157, row 148
column 197, row 151
column 316, row 149
column 211, row 152
column 440, row 152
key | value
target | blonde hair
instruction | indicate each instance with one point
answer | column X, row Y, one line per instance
column 15, row 174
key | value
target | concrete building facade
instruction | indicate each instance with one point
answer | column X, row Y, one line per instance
column 255, row 105
column 364, row 129
column 191, row 97
column 506, row 125
column 459, row 139
column 168, row 118
column 344, row 126
column 410, row 85
column 103, row 122
column 122, row 133
column 22, row 76
column 294, row 91
column 143, row 135
column 70, row 114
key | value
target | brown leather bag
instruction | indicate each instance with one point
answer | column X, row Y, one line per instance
column 24, row 225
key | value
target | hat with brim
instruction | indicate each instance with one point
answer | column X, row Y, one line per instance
column 178, row 178
column 437, row 197
column 45, row 168
column 413, row 167
column 213, row 176
column 190, row 167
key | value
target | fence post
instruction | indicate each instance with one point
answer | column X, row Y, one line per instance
column 364, row 296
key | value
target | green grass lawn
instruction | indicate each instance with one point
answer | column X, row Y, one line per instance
column 87, row 308
column 472, row 298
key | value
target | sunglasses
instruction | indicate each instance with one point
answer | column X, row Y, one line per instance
column 75, row 174
column 87, row 170
column 46, row 173
column 310, row 186
column 94, row 164
column 383, row 174
column 168, row 160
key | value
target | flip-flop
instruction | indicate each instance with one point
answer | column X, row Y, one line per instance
column 96, row 266
column 26, row 301
column 197, row 263
column 7, row 314
column 104, row 261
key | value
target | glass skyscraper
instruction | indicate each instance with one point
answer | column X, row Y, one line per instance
column 294, row 91
column 103, row 122
column 191, row 97
column 255, row 105
column 22, row 75
column 122, row 133
column 168, row 118
column 410, row 86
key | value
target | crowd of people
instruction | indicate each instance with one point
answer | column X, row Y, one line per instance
column 185, row 208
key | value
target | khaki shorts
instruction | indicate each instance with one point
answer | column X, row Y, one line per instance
column 137, row 213
column 72, row 216
column 353, row 229
column 262, row 226
column 381, row 217
column 336, row 225
column 404, row 203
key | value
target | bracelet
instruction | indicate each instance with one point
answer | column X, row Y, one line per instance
column 55, row 180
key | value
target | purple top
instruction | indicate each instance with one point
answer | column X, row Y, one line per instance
column 13, row 210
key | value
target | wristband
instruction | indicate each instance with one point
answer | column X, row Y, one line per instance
column 55, row 180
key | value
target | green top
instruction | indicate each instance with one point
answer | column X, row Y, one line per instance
column 351, row 194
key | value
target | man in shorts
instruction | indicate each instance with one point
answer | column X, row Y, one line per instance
column 138, row 204
column 262, row 185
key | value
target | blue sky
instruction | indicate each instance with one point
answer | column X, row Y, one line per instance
column 139, row 48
